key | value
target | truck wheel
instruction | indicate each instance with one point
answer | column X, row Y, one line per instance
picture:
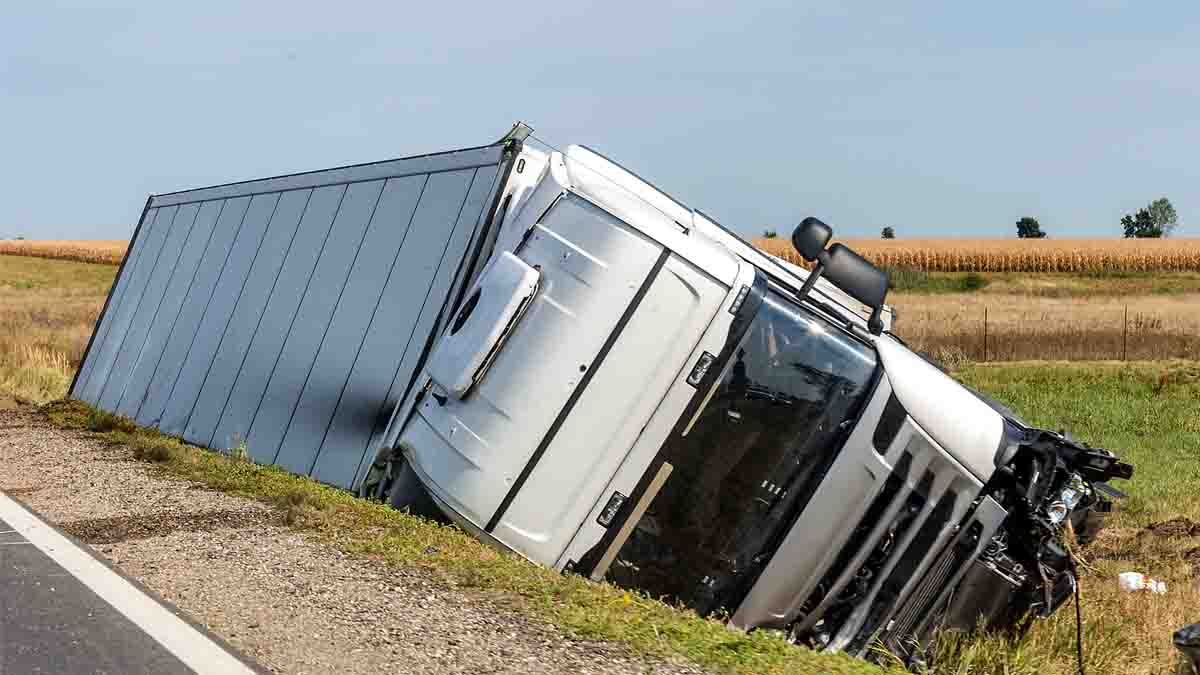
column 408, row 494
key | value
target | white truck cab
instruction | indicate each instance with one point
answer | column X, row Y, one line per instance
column 633, row 393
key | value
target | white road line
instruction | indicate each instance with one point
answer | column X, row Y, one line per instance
column 179, row 637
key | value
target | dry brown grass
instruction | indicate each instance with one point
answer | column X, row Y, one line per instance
column 47, row 310
column 104, row 251
column 1024, row 327
column 1019, row 255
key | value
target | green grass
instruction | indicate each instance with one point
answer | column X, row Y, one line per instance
column 1146, row 412
column 1149, row 414
column 911, row 280
column 30, row 274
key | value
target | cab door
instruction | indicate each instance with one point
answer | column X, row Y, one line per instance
column 474, row 453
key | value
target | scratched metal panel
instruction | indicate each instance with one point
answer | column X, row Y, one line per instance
column 293, row 311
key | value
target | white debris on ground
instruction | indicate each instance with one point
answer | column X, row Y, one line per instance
column 292, row 604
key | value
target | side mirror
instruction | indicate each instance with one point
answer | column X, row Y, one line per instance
column 810, row 238
column 856, row 275
column 843, row 267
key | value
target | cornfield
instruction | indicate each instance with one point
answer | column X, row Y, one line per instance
column 1019, row 255
column 107, row 251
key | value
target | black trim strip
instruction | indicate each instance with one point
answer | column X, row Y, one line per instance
column 117, row 279
column 595, row 366
column 890, row 422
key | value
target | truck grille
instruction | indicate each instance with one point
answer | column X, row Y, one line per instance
column 892, row 569
column 901, row 635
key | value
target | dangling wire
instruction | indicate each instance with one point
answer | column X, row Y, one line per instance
column 1078, row 620
column 1078, row 605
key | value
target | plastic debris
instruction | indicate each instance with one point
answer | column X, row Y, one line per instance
column 1136, row 581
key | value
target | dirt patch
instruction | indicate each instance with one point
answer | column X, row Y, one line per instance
column 20, row 491
column 8, row 403
column 1177, row 375
column 125, row 528
column 1176, row 528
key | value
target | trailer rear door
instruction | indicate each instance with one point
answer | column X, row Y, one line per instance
column 292, row 313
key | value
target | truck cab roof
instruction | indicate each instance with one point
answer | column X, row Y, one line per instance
column 695, row 222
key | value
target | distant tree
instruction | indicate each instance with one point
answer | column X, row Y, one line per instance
column 1163, row 215
column 1029, row 228
column 1141, row 225
column 770, row 234
column 888, row 233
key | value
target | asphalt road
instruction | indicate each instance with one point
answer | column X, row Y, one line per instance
column 62, row 610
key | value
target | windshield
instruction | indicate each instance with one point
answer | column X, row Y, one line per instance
column 750, row 460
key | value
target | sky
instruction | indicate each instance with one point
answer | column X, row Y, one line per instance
column 938, row 119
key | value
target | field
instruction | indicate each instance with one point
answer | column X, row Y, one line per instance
column 1145, row 411
column 1123, row 299
column 47, row 310
column 107, row 251
column 1019, row 255
column 1076, row 327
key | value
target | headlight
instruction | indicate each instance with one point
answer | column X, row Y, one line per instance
column 1057, row 512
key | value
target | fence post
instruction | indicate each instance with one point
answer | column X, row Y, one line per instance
column 1125, row 334
column 985, row 333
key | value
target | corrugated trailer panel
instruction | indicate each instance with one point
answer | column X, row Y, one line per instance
column 369, row 394
column 292, row 312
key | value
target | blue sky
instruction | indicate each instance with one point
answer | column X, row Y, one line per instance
column 939, row 119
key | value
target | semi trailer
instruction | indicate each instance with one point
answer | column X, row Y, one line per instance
column 603, row 380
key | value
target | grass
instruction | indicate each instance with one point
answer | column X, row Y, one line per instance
column 1023, row 327
column 47, row 310
column 1147, row 413
column 913, row 280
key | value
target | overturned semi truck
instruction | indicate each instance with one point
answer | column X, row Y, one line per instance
column 574, row 366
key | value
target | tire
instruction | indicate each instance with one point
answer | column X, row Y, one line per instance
column 409, row 494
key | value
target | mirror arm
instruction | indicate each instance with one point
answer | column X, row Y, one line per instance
column 813, row 276
column 875, row 323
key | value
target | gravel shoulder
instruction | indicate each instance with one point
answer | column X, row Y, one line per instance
column 293, row 604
